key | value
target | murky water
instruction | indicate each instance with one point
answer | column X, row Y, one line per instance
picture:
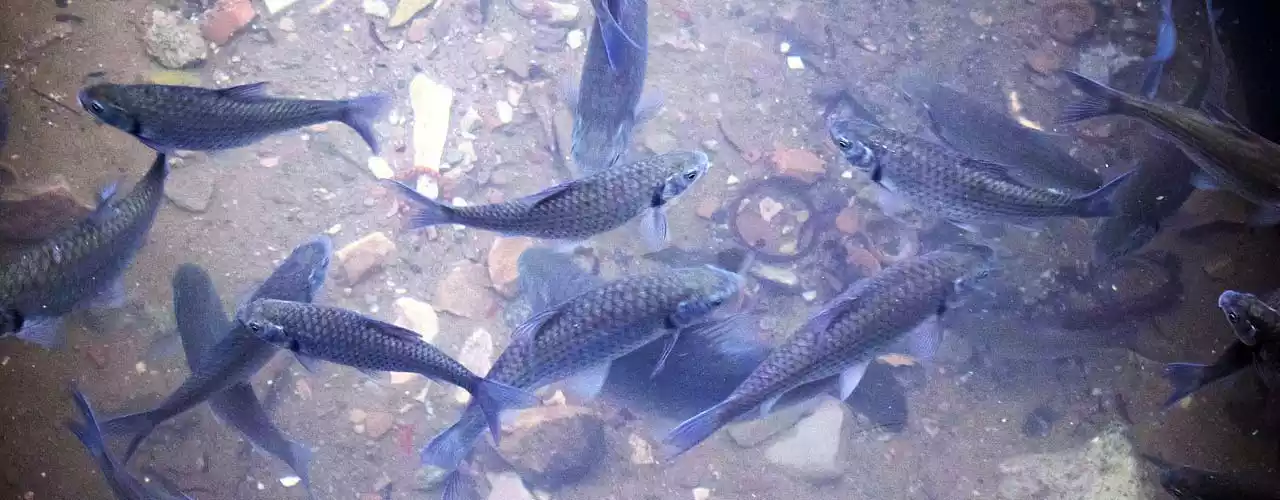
column 1050, row 377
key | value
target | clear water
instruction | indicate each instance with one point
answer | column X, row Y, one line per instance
column 1048, row 386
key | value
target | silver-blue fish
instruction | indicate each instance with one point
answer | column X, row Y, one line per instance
column 123, row 485
column 240, row 354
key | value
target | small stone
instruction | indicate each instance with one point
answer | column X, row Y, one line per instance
column 1106, row 466
column 418, row 316
column 406, row 9
column 225, row 18
column 477, row 355
column 377, row 165
column 508, row 486
column 812, row 450
column 376, row 8
column 1047, row 59
column 548, row 12
column 659, row 142
column 505, row 112
column 357, row 416
column 707, row 207
column 190, row 188
column 980, row 18
column 701, row 493
column 798, row 163
column 287, row 25
column 463, row 293
column 755, row 231
column 776, row 275
column 574, row 39
column 361, row 257
column 429, row 477
column 560, row 449
column 493, row 49
column 770, row 208
column 641, row 450
column 378, row 423
column 290, row 481
column 276, row 6
column 517, row 62
column 752, row 433
column 867, row 44
column 431, row 102
column 1068, row 19
column 140, row 367
column 173, row 41
column 504, row 268
column 849, row 221
column 417, row 31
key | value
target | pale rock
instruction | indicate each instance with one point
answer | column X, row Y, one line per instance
column 505, row 112
column 812, row 450
column 431, row 103
column 555, row 446
column 406, row 9
column 641, row 450
column 776, row 275
column 770, row 208
column 376, row 8
column 173, row 41
column 477, row 355
column 1108, row 466
column 750, row 433
column 418, row 316
column 508, row 486
column 380, row 168
column 276, row 6
column 357, row 416
column 378, row 423
column 361, row 257
column 504, row 260
column 463, row 292
column 701, row 493
column 190, row 188
column 574, row 39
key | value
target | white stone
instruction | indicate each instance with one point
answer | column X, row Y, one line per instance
column 477, row 356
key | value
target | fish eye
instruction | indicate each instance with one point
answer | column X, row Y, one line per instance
column 844, row 143
column 96, row 107
column 255, row 326
column 1233, row 317
column 691, row 175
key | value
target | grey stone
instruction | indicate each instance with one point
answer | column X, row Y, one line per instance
column 190, row 188
column 173, row 41
column 811, row 451
column 751, row 433
column 1106, row 467
column 659, row 142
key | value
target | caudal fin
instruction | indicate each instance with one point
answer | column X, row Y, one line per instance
column 299, row 460
column 457, row 487
column 1185, row 378
column 696, row 430
column 1100, row 203
column 493, row 397
column 87, row 431
column 428, row 212
column 361, row 112
column 452, row 446
column 139, row 424
column 1100, row 100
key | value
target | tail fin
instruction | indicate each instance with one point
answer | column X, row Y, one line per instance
column 493, row 397
column 1185, row 378
column 697, row 429
column 139, row 424
column 299, row 460
column 361, row 112
column 88, row 431
column 457, row 487
column 429, row 212
column 1100, row 100
column 1100, row 202
column 452, row 446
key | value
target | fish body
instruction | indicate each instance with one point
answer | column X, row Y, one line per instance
column 202, row 323
column 581, row 208
column 1256, row 325
column 973, row 128
column 238, row 355
column 607, row 104
column 79, row 266
column 1166, row 43
column 123, row 485
column 173, row 117
column 845, row 335
column 352, row 339
column 1233, row 157
column 941, row 181
column 1198, row 484
column 581, row 336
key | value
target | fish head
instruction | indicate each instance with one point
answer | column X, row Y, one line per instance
column 10, row 321
column 853, row 137
column 257, row 316
column 682, row 169
column 1236, row 306
column 307, row 266
column 706, row 289
column 106, row 101
column 978, row 260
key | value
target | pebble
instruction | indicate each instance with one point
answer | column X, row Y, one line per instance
column 417, row 31
column 418, row 316
column 752, row 433
column 641, row 450
column 1106, row 466
column 377, row 165
column 555, row 447
column 276, row 6
column 659, row 142
column 287, row 25
column 1047, row 59
column 361, row 257
column 225, row 18
column 376, row 8
column 357, row 416
column 517, row 62
column 190, row 188
column 508, row 486
column 547, row 12
column 849, row 221
column 406, row 9
column 290, row 481
column 701, row 493
column 798, row 163
column 477, row 355
column 463, row 293
column 503, row 262
column 707, row 207
column 776, row 275
column 574, row 39
column 770, row 208
column 1068, row 19
column 378, row 423
column 431, row 103
column 505, row 112
column 173, row 41
column 812, row 450
column 980, row 18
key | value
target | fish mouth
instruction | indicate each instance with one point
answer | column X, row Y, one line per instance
column 82, row 97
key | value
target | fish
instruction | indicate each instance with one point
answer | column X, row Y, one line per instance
column 201, row 322
column 578, row 209
column 901, row 304
column 580, row 337
column 352, row 339
column 1198, row 484
column 1231, row 156
column 1166, row 43
column 1211, row 87
column 974, row 128
column 123, row 485
column 80, row 266
column 168, row 118
column 609, row 101
column 1257, row 343
column 4, row 116
column 960, row 189
column 238, row 355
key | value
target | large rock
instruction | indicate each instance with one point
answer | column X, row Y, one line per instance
column 508, row 486
column 361, row 257
column 812, row 450
column 190, row 188
column 554, row 446
column 173, row 41
column 39, row 213
column 1105, row 467
column 477, row 355
column 751, row 433
column 504, row 263
column 225, row 18
column 463, row 292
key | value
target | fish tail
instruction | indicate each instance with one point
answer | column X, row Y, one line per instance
column 456, row 486
column 300, row 461
column 493, row 397
column 1100, row 100
column 361, row 112
column 88, row 431
column 427, row 212
column 140, row 424
column 1185, row 378
column 1100, row 203
column 614, row 37
column 697, row 429
column 451, row 447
